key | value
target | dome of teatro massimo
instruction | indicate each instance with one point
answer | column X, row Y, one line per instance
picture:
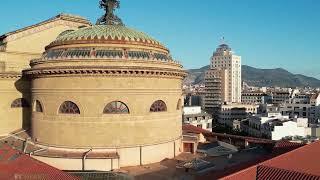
column 107, row 88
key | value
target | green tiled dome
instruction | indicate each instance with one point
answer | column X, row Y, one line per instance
column 107, row 31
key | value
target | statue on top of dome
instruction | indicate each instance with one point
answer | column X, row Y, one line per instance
column 109, row 18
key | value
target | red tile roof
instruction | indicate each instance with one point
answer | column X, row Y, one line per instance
column 284, row 146
column 193, row 129
column 16, row 165
column 300, row 163
column 305, row 159
column 265, row 172
column 248, row 170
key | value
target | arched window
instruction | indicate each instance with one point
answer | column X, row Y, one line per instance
column 20, row 103
column 69, row 107
column 38, row 106
column 179, row 106
column 116, row 107
column 158, row 106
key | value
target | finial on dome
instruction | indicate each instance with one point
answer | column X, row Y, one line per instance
column 109, row 18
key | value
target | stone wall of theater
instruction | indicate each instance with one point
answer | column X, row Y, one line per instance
column 93, row 128
column 13, row 118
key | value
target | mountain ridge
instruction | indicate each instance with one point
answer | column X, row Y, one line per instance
column 260, row 77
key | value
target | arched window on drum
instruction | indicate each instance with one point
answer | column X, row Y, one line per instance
column 37, row 106
column 116, row 107
column 69, row 107
column 20, row 103
column 179, row 104
column 158, row 106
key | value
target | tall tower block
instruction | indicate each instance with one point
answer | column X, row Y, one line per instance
column 223, row 79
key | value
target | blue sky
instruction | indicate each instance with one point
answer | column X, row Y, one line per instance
column 266, row 33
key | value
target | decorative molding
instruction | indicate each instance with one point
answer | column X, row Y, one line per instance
column 45, row 25
column 22, row 53
column 35, row 62
column 108, row 40
column 109, row 71
column 10, row 75
column 93, row 52
column 132, row 91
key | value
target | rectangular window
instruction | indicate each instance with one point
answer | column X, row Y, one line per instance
column 208, row 125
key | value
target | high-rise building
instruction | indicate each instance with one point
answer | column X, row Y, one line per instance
column 223, row 79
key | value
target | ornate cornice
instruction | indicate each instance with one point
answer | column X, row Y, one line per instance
column 62, row 19
column 35, row 62
column 106, row 40
column 107, row 71
column 10, row 75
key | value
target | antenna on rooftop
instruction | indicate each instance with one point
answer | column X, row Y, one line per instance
column 223, row 41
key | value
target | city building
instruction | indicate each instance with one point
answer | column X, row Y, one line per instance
column 230, row 112
column 295, row 109
column 302, row 106
column 214, row 92
column 255, row 98
column 103, row 96
column 276, row 127
column 223, row 79
column 196, row 117
column 314, row 111
column 268, row 108
column 193, row 100
column 192, row 136
column 291, row 128
column 279, row 97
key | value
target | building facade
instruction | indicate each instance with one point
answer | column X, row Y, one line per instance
column 255, row 98
column 17, row 48
column 231, row 112
column 302, row 106
column 276, row 127
column 196, row 117
column 279, row 97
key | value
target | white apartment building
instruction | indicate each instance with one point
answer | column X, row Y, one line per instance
column 262, row 125
column 196, row 117
column 314, row 116
column 276, row 127
column 291, row 128
column 223, row 79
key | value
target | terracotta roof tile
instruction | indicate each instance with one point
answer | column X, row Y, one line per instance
column 16, row 165
column 193, row 129
column 305, row 159
column 284, row 146
column 270, row 173
column 301, row 163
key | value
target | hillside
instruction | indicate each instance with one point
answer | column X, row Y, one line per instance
column 260, row 77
